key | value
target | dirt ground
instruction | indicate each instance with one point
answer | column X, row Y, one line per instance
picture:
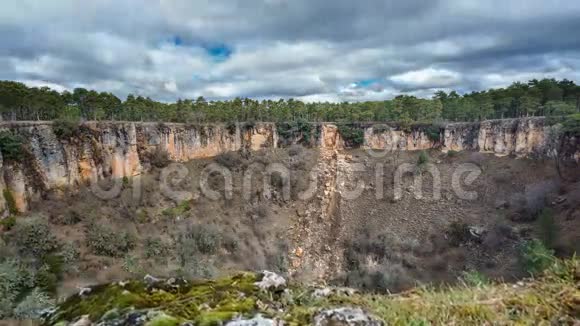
column 327, row 237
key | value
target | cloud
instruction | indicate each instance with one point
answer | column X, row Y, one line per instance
column 427, row 78
column 306, row 49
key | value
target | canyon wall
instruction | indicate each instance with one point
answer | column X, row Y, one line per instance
column 100, row 150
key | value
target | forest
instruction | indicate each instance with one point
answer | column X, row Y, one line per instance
column 544, row 97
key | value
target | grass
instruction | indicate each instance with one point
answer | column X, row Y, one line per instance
column 553, row 298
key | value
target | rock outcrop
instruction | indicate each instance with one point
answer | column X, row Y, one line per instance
column 101, row 150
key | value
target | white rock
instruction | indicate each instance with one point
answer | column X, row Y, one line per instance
column 347, row 317
column 271, row 281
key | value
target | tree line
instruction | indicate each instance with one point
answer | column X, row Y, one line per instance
column 535, row 98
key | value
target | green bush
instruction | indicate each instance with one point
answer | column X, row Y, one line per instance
column 70, row 253
column 132, row 265
column 10, row 202
column 572, row 124
column 178, row 210
column 535, row 257
column 300, row 130
column 433, row 133
column 34, row 237
column 155, row 248
column 197, row 239
column 11, row 146
column 547, row 226
column 474, row 278
column 105, row 241
column 452, row 153
column 353, row 136
column 31, row 307
column 66, row 128
column 16, row 279
column 423, row 158
column 8, row 223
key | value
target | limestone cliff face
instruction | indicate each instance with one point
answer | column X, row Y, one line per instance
column 102, row 150
column 389, row 138
column 123, row 149
column 520, row 137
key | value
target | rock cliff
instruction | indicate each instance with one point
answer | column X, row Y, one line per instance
column 101, row 150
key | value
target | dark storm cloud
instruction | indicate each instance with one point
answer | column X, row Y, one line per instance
column 310, row 49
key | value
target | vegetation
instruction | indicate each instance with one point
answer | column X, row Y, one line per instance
column 353, row 136
column 423, row 158
column 33, row 237
column 105, row 241
column 535, row 257
column 548, row 228
column 11, row 146
column 552, row 298
column 66, row 128
column 10, row 202
column 535, row 98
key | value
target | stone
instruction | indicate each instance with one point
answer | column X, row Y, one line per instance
column 257, row 320
column 346, row 317
column 271, row 281
column 83, row 321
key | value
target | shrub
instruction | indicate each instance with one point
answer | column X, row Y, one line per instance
column 535, row 257
column 178, row 210
column 230, row 243
column 452, row 153
column 548, row 228
column 11, row 146
column 295, row 150
column 198, row 239
column 34, row 237
column 423, row 158
column 433, row 133
column 132, row 265
column 155, row 248
column 70, row 253
column 299, row 130
column 10, row 202
column 458, row 233
column 8, row 223
column 536, row 196
column 15, row 281
column 353, row 136
column 474, row 278
column 230, row 160
column 572, row 124
column 65, row 128
column 33, row 305
column 105, row 241
column 159, row 158
column 379, row 129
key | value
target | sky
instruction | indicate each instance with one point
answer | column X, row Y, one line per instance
column 312, row 50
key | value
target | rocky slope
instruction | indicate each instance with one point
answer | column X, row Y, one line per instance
column 266, row 299
column 97, row 151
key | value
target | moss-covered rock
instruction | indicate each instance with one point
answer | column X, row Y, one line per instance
column 238, row 300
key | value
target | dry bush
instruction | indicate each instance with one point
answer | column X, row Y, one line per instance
column 159, row 158
column 230, row 160
column 528, row 205
column 295, row 150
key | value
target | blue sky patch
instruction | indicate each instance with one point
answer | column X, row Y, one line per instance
column 219, row 52
column 366, row 82
column 177, row 41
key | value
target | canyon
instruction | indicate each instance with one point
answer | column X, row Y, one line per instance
column 100, row 150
